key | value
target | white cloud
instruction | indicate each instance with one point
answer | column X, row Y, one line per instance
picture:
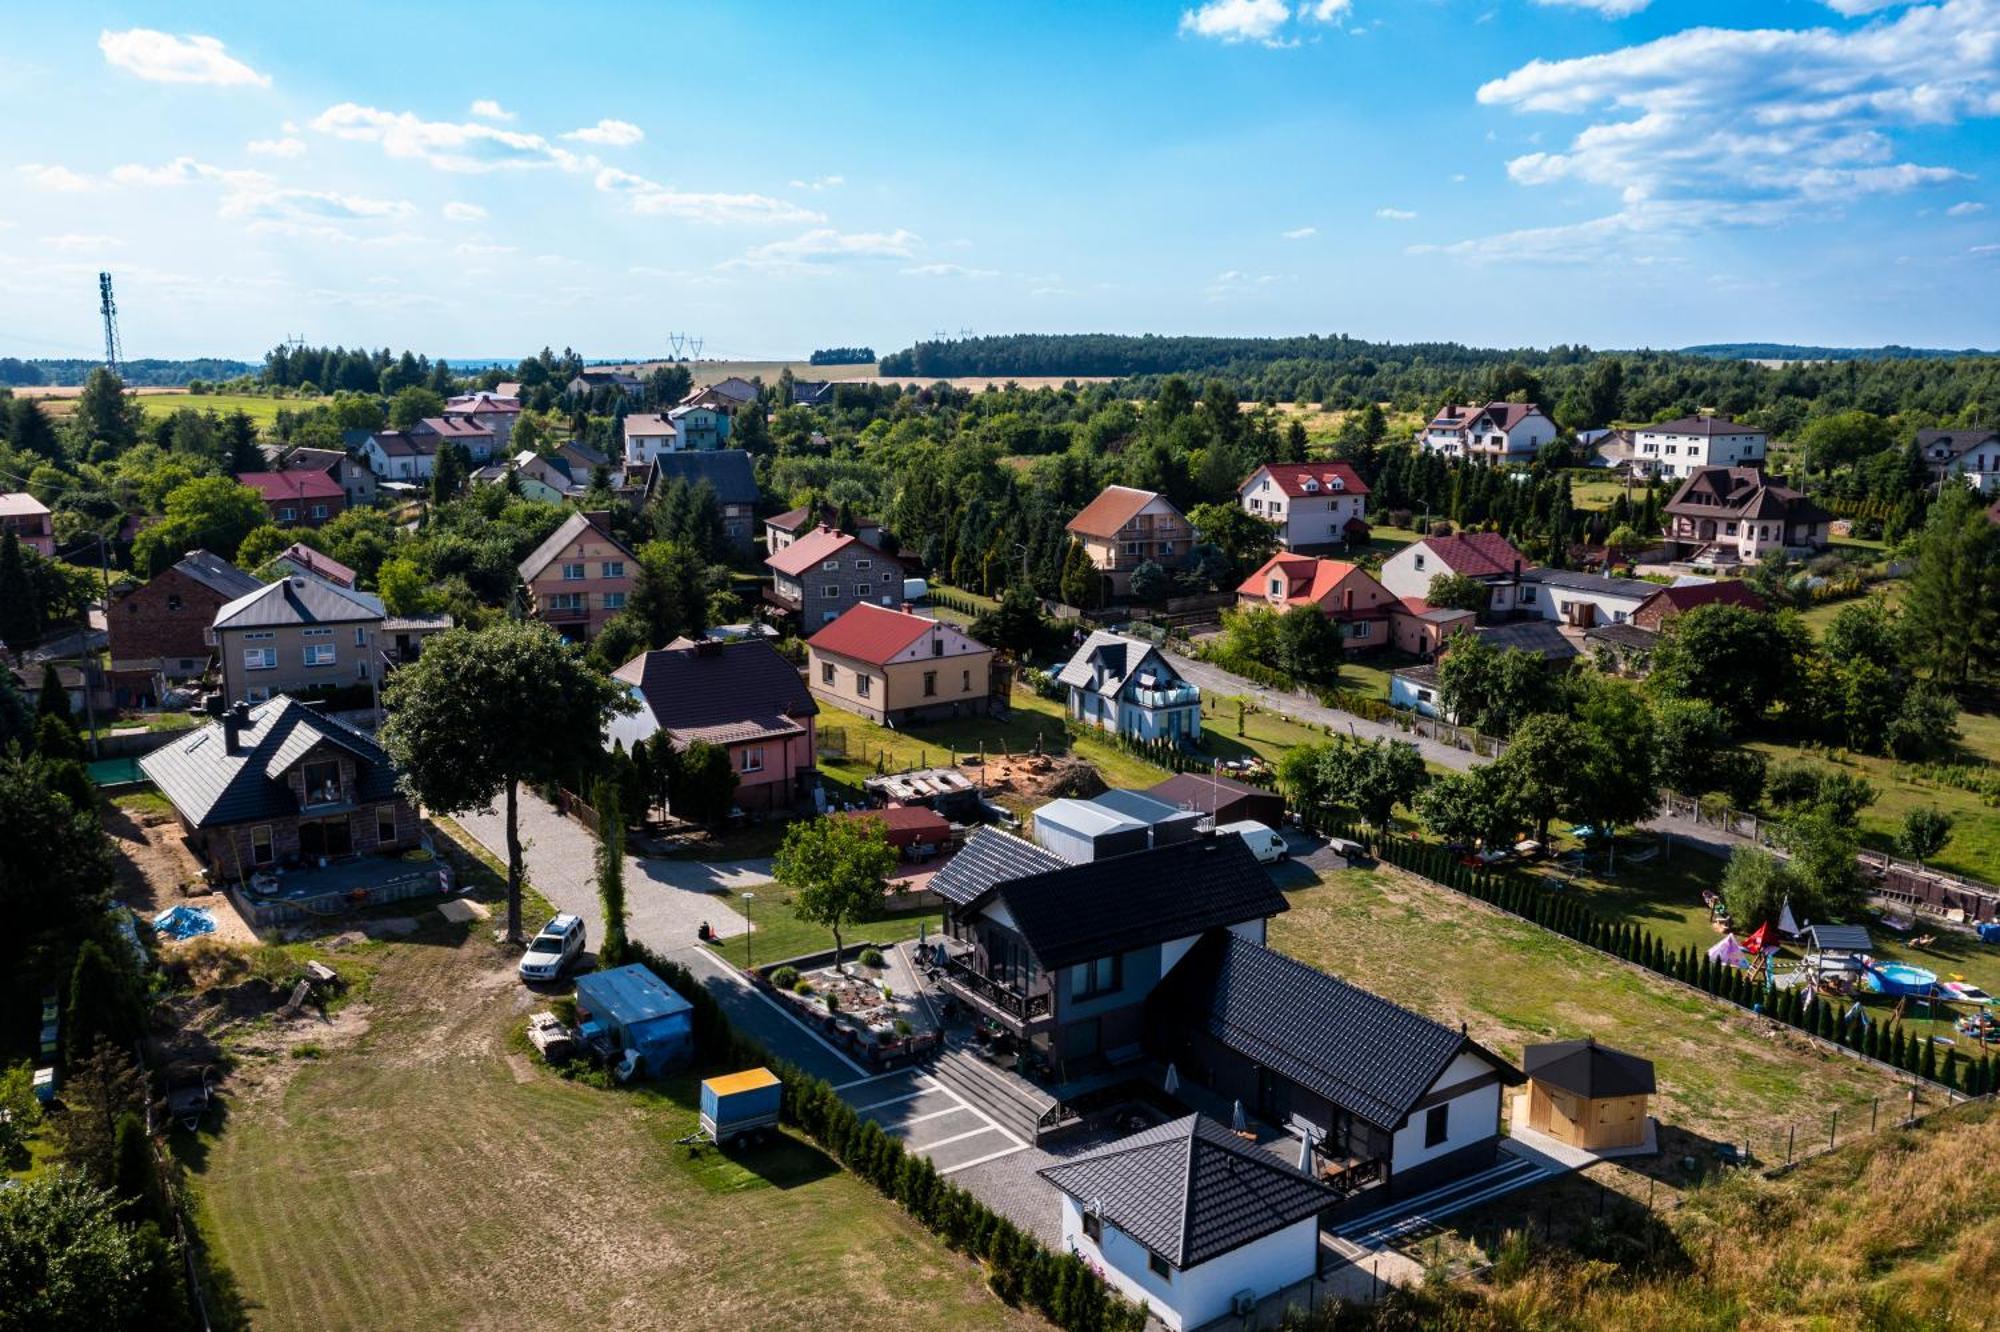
column 1965, row 209
column 488, row 109
column 481, row 247
column 1396, row 214
column 55, row 179
column 650, row 197
column 609, row 134
column 73, row 241
column 464, row 212
column 824, row 245
column 1235, row 283
column 1610, row 9
column 161, row 57
column 443, row 144
column 949, row 270
column 1326, row 11
column 820, row 183
column 1856, row 8
column 187, row 171
column 1984, row 249
column 288, row 146
column 1300, row 233
column 1236, row 20
column 297, row 205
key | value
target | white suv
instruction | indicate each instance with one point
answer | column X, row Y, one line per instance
column 551, row 952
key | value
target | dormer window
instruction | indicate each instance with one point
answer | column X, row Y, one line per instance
column 1339, row 483
column 1311, row 486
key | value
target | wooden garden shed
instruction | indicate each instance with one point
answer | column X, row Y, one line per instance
column 1588, row 1095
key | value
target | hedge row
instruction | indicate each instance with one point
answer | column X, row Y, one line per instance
column 1533, row 900
column 1020, row 1269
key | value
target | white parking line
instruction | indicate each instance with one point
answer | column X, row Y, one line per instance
column 936, row 1114
column 893, row 1100
column 990, row 1156
column 984, row 1118
column 929, row 1147
column 876, row 1077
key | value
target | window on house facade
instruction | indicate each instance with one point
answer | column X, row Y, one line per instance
column 863, row 591
column 173, row 602
column 322, row 782
column 385, row 823
column 829, row 565
column 965, row 681
column 1437, row 1125
column 319, row 511
column 288, row 515
column 566, row 601
column 864, row 564
column 863, row 684
column 1092, row 978
column 261, row 850
column 1160, row 1267
column 937, row 646
column 1093, row 1227
column 826, row 673
column 260, row 659
column 318, row 654
column 614, row 601
column 1527, row 596
column 752, row 759
column 1420, row 562
column 930, row 684
column 1358, row 630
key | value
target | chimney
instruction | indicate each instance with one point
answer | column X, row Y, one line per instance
column 232, row 727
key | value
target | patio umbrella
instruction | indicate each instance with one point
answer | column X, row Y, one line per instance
column 1237, row 1120
column 1305, row 1153
column 1173, row 1079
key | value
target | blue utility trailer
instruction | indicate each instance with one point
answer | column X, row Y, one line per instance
column 736, row 1105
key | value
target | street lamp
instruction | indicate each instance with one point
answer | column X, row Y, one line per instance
column 748, row 926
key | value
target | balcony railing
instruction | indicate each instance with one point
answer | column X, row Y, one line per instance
column 1023, row 1007
column 1176, row 696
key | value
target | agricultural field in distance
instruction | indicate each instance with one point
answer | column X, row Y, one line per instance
column 864, row 373
column 157, row 402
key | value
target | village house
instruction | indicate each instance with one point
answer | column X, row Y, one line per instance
column 812, row 392
column 29, row 520
column 489, row 412
column 1572, row 597
column 403, row 638
column 1124, row 528
column 741, row 696
column 1735, row 515
column 279, row 784
column 724, row 395
column 1125, row 686
column 353, row 475
column 297, row 498
column 1970, row 453
column 1667, row 602
column 1190, row 1220
column 699, row 425
column 587, row 382
column 1345, row 593
column 1486, row 557
column 647, row 436
column 783, row 529
column 729, row 473
column 1420, row 629
column 1312, row 504
column 547, row 479
column 159, row 630
column 1496, row 433
column 395, row 455
column 1415, row 687
column 297, row 636
column 896, row 667
column 823, row 573
column 478, row 441
column 580, row 576
column 1683, row 446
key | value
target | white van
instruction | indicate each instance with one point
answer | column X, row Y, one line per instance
column 1268, row 846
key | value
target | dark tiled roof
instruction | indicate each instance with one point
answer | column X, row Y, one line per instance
column 210, row 786
column 298, row 599
column 1120, row 656
column 727, row 470
column 1189, row 788
column 216, row 574
column 1372, row 1058
column 1638, row 589
column 1190, row 1190
column 1840, row 938
column 1537, row 636
column 1627, row 636
column 720, row 692
column 1081, row 912
column 1588, row 1069
column 1704, row 425
column 990, row 857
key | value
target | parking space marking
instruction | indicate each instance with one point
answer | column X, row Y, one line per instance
column 936, row 1114
column 996, row 1125
column 893, row 1100
column 929, row 1147
column 1019, row 1146
column 877, row 1077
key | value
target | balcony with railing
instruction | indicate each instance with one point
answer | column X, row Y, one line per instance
column 998, row 999
column 1153, row 698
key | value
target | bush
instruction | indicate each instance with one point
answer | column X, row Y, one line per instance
column 785, row 978
column 802, row 986
column 872, row 957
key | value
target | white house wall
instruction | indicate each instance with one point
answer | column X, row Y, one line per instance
column 1201, row 1294
column 1474, row 1116
column 1550, row 602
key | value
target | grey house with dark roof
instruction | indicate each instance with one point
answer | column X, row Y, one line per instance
column 281, row 784
column 1187, row 1216
column 729, row 474
column 1124, row 685
column 1065, row 958
column 1391, row 1099
column 299, row 635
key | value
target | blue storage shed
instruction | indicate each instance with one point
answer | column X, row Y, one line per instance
column 636, row 1010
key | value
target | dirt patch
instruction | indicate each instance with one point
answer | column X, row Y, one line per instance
column 155, row 870
column 1035, row 779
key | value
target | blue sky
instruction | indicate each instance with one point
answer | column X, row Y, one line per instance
column 477, row 180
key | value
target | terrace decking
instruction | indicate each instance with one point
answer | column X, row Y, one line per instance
column 336, row 889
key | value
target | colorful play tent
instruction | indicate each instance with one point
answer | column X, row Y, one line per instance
column 1728, row 952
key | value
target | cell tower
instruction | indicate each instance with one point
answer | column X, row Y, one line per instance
column 114, row 354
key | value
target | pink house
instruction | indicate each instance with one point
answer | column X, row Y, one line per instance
column 742, row 696
column 28, row 519
column 580, row 577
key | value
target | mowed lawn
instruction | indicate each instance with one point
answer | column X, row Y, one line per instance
column 1722, row 1073
column 429, row 1174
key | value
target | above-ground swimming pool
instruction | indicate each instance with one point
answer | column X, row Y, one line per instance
column 1902, row 978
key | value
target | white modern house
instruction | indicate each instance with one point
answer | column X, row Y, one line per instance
column 647, row 436
column 1685, row 445
column 1971, row 454
column 1124, row 685
column 1311, row 504
column 1496, row 432
column 394, row 455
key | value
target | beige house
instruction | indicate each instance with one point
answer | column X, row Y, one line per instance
column 300, row 635
column 1123, row 528
column 580, row 577
column 894, row 666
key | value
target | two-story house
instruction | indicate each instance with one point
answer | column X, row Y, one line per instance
column 739, row 695
column 355, row 477
column 700, row 426
column 1971, row 453
column 587, row 382
column 1124, row 528
column 824, row 572
column 298, row 498
column 30, row 522
column 490, row 412
column 1687, row 444
column 298, row 635
column 1311, row 504
column 728, row 472
column 1734, row 515
column 1345, row 593
column 1124, row 685
column 159, row 629
column 478, row 441
column 1486, row 557
column 647, row 436
column 1498, row 432
column 897, row 667
column 279, row 784
column 579, row 577
column 397, row 455
column 725, row 395
column 781, row 530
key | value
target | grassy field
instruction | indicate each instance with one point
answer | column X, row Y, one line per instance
column 424, row 1171
column 1818, row 617
column 156, row 403
column 781, row 934
column 1721, row 1074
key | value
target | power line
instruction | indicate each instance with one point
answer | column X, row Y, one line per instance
column 114, row 353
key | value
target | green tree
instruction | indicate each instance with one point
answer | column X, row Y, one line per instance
column 1309, row 645
column 1151, row 583
column 1372, row 777
column 1242, row 536
column 1015, row 625
column 104, row 414
column 1924, row 832
column 51, row 699
column 72, row 1266
column 1952, row 607
column 450, row 470
column 836, row 870
column 1474, row 806
column 104, row 1003
column 208, row 513
column 264, row 544
column 701, row 784
column 1450, row 591
column 1541, row 763
column 1081, row 584
column 1823, row 848
column 100, row 1089
column 1755, row 884
column 670, row 596
column 55, row 861
column 1623, row 543
column 1692, row 738
column 1740, row 660
column 413, row 404
column 1926, row 722
column 455, row 727
column 610, row 871
column 404, row 589
column 1842, row 439
column 20, row 609
column 1491, row 688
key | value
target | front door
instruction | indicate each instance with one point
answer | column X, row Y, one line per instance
column 329, row 838
column 1273, row 1105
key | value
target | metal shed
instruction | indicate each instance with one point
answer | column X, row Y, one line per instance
column 1169, row 823
column 633, row 1009
column 1081, row 831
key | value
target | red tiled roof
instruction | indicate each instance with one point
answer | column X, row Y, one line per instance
column 1309, row 581
column 292, row 485
column 1292, row 478
column 313, row 562
column 455, row 427
column 904, row 818
column 1476, row 554
column 1114, row 507
column 1728, row 591
column 819, row 544
column 870, row 633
